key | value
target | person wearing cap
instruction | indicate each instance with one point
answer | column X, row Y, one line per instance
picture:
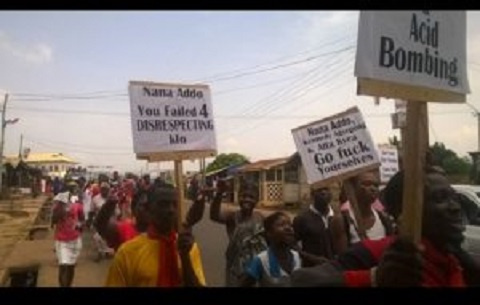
column 68, row 218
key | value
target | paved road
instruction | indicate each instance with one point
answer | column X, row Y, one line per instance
column 212, row 240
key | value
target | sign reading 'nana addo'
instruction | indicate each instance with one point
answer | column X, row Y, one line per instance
column 171, row 118
column 424, row 49
column 336, row 147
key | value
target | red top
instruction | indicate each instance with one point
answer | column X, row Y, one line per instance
column 67, row 228
column 126, row 231
column 439, row 269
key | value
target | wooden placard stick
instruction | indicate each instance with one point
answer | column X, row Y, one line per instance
column 350, row 192
column 416, row 143
column 180, row 192
column 335, row 204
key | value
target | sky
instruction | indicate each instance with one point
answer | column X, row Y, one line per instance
column 67, row 74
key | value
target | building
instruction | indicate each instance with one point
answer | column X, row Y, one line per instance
column 269, row 176
column 281, row 182
column 51, row 164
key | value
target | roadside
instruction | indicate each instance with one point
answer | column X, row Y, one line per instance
column 18, row 217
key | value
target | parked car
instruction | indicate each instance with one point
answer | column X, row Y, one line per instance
column 469, row 197
column 472, row 242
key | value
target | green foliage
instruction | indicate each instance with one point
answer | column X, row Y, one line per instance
column 394, row 141
column 450, row 161
column 223, row 160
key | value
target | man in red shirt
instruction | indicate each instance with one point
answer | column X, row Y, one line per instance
column 68, row 218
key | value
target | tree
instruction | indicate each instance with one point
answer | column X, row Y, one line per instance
column 394, row 142
column 224, row 160
column 450, row 161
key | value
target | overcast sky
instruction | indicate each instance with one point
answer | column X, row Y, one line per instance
column 67, row 74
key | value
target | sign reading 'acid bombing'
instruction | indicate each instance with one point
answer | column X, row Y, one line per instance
column 336, row 147
column 171, row 118
column 423, row 49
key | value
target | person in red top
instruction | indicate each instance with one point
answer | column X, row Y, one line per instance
column 68, row 218
column 117, row 231
column 438, row 261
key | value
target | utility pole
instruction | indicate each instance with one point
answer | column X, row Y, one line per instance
column 475, row 174
column 20, row 157
column 2, row 143
column 202, row 172
column 20, row 153
column 477, row 114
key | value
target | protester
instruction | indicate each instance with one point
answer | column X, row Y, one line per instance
column 57, row 186
column 68, row 219
column 145, row 182
column 244, row 230
column 210, row 189
column 116, row 180
column 377, row 224
column 439, row 260
column 272, row 267
column 103, row 251
column 193, row 188
column 312, row 227
column 162, row 257
column 85, row 196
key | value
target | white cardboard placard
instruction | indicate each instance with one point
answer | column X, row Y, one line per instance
column 389, row 162
column 424, row 49
column 170, row 118
column 336, row 147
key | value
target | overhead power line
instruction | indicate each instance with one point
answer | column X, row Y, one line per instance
column 76, row 150
column 302, row 61
column 276, row 61
column 220, row 116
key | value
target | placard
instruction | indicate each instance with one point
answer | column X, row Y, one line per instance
column 336, row 147
column 389, row 162
column 412, row 55
column 168, row 119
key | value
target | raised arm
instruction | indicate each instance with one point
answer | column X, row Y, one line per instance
column 216, row 213
column 195, row 213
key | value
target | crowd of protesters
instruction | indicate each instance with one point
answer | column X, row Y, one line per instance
column 133, row 221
